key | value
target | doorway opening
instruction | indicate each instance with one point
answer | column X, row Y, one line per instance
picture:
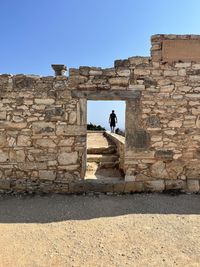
column 104, row 147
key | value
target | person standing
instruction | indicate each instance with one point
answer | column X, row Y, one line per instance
column 112, row 121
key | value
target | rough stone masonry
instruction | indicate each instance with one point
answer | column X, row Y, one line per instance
column 43, row 122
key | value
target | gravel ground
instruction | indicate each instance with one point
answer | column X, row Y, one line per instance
column 128, row 230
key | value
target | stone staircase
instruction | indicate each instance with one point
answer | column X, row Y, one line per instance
column 102, row 158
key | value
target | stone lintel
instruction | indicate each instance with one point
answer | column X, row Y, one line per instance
column 108, row 95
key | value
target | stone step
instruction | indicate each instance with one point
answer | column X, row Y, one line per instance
column 102, row 150
column 102, row 158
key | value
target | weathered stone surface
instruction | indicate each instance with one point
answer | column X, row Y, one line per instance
column 65, row 158
column 193, row 186
column 12, row 126
column 154, row 186
column 45, row 143
column 47, row 175
column 73, row 130
column 23, row 140
column 141, row 139
column 122, row 81
column 175, row 185
column 158, row 170
column 153, row 121
column 45, row 101
column 164, row 154
column 3, row 156
column 43, row 128
column 72, row 117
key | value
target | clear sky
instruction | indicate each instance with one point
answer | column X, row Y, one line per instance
column 37, row 33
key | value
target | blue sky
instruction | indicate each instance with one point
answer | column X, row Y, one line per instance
column 37, row 33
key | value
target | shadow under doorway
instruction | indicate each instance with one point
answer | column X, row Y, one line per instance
column 102, row 151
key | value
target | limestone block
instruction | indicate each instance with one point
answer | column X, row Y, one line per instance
column 182, row 72
column 153, row 121
column 44, row 101
column 175, row 169
column 47, row 175
column 170, row 73
column 3, row 115
column 183, row 65
column 164, row 154
column 12, row 126
column 68, row 141
column 23, row 140
column 43, row 128
column 131, row 187
column 158, row 170
column 193, row 186
column 121, row 81
column 196, row 66
column 5, row 184
column 20, row 156
column 4, row 156
column 123, row 72
column 175, row 124
column 194, row 78
column 141, row 72
column 154, row 186
column 45, row 142
column 65, row 158
column 95, row 72
column 3, row 140
column 175, row 184
column 64, row 129
column 72, row 117
column 26, row 166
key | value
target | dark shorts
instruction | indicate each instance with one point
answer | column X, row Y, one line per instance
column 112, row 124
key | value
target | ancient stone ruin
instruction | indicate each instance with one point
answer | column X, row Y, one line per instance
column 43, row 123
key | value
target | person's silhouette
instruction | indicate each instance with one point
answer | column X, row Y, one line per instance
column 112, row 121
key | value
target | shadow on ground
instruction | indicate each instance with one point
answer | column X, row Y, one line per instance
column 55, row 208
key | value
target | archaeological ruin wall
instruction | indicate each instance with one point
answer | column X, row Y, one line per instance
column 43, row 122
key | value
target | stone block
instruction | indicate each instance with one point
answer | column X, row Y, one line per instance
column 47, row 175
column 5, row 184
column 3, row 115
column 23, row 140
column 175, row 184
column 44, row 101
column 65, row 158
column 141, row 72
column 193, row 186
column 123, row 72
column 72, row 117
column 132, row 187
column 154, row 186
column 118, row 187
column 141, row 139
column 26, row 166
column 164, row 155
column 4, row 156
column 153, row 121
column 43, row 128
column 12, row 126
column 45, row 142
column 158, row 170
column 120, row 81
column 67, row 130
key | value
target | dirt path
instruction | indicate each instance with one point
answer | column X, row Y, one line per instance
column 135, row 230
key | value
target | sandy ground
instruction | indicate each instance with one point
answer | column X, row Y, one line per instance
column 129, row 230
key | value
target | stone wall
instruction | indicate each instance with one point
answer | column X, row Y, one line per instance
column 42, row 133
column 120, row 145
column 43, row 120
